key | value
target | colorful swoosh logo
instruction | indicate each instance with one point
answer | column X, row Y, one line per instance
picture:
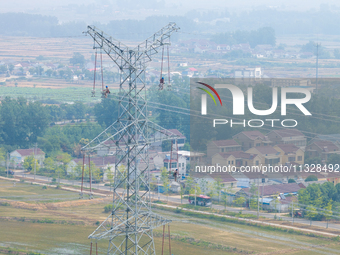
column 209, row 93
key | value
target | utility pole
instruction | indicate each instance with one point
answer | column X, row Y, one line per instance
column 7, row 163
column 195, row 196
column 292, row 212
column 263, row 180
column 35, row 161
column 258, row 198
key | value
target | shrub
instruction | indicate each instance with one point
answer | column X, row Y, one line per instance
column 107, row 208
column 44, row 187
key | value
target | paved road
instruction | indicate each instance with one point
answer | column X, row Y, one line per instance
column 177, row 200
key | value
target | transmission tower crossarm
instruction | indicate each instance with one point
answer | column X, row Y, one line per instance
column 114, row 48
column 158, row 39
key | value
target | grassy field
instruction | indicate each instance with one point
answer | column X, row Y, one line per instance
column 56, row 89
column 52, row 227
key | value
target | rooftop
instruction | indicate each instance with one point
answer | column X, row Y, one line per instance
column 223, row 143
column 269, row 190
column 29, row 152
column 253, row 134
column 288, row 132
column 266, row 149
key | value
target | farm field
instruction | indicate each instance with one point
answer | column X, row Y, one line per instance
column 62, row 226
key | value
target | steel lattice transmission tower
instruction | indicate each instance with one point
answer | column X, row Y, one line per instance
column 129, row 227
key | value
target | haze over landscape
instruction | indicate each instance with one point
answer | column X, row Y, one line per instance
column 106, row 142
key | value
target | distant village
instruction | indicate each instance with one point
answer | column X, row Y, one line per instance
column 248, row 148
column 193, row 48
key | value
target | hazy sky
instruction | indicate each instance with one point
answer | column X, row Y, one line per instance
column 24, row 5
column 103, row 11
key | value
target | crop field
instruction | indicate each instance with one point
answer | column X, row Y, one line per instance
column 61, row 223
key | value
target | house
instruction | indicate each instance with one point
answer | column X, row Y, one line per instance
column 181, row 139
column 271, row 190
column 223, row 47
column 234, row 158
column 200, row 49
column 335, row 138
column 288, row 135
column 290, row 82
column 221, row 146
column 100, row 162
column 280, row 203
column 18, row 156
column 177, row 161
column 322, row 149
column 206, row 179
column 333, row 177
column 267, row 155
column 192, row 157
column 290, row 154
column 249, row 139
column 247, row 179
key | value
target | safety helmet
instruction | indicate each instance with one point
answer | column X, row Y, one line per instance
column 106, row 86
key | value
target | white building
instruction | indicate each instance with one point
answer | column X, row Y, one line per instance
column 162, row 159
column 18, row 156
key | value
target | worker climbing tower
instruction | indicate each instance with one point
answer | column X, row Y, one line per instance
column 129, row 227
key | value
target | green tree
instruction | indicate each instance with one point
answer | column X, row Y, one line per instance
column 212, row 191
column 291, row 181
column 49, row 165
column 276, row 202
column 165, row 179
column 64, row 158
column 106, row 112
column 49, row 72
column 218, row 185
column 11, row 68
column 60, row 172
column 311, row 212
column 30, row 162
column 25, row 121
column 3, row 154
column 328, row 211
column 239, row 201
column 3, row 68
column 311, row 178
column 189, row 184
column 317, row 197
column 77, row 59
column 333, row 159
column 153, row 184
